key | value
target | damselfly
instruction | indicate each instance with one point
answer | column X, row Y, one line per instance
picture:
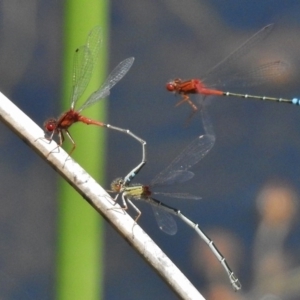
column 176, row 172
column 220, row 76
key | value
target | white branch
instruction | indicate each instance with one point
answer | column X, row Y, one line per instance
column 91, row 191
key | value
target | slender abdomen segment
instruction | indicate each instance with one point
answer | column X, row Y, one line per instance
column 209, row 92
column 89, row 121
column 295, row 101
column 203, row 90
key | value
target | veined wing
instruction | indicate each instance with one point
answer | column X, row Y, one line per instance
column 85, row 57
column 178, row 195
column 104, row 90
column 177, row 171
column 222, row 68
column 164, row 219
column 254, row 76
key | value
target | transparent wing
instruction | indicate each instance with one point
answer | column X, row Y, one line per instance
column 177, row 171
column 116, row 75
column 94, row 43
column 172, row 177
column 222, row 68
column 85, row 57
column 164, row 220
column 178, row 195
column 262, row 74
column 82, row 72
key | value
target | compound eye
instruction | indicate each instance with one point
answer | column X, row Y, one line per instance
column 120, row 183
column 50, row 125
column 117, row 185
column 170, row 87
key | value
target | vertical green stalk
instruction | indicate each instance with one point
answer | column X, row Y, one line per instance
column 80, row 236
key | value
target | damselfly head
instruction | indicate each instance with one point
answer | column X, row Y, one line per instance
column 50, row 124
column 172, row 86
column 117, row 185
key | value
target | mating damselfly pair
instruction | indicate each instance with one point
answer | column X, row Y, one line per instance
column 178, row 171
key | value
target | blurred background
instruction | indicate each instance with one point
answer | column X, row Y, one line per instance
column 249, row 182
